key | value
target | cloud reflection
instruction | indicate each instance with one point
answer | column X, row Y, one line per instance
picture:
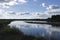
column 38, row 30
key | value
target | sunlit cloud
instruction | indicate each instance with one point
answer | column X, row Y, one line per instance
column 43, row 4
column 52, row 7
column 8, row 3
column 21, row 15
column 22, row 1
column 52, row 10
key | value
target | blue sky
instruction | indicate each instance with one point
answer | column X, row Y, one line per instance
column 29, row 5
column 12, row 9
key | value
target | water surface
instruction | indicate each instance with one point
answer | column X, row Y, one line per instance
column 39, row 30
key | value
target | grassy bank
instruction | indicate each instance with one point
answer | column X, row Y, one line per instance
column 7, row 33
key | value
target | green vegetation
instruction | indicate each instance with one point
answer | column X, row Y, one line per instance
column 54, row 18
column 7, row 33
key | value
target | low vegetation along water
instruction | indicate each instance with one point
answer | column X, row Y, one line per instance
column 20, row 30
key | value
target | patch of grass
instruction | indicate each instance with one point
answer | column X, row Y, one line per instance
column 7, row 33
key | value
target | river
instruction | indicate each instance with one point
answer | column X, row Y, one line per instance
column 39, row 30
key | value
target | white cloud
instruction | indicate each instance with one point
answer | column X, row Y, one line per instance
column 49, row 6
column 8, row 3
column 52, row 7
column 22, row 1
column 52, row 10
column 20, row 15
column 43, row 4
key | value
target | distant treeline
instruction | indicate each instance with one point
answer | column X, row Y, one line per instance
column 23, row 19
column 54, row 18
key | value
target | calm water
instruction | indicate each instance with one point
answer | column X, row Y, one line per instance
column 39, row 30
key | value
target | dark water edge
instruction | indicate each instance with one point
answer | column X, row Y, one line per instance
column 48, row 21
column 57, row 24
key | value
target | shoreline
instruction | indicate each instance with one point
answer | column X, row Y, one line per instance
column 34, row 21
column 50, row 23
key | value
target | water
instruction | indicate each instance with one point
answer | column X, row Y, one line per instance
column 39, row 30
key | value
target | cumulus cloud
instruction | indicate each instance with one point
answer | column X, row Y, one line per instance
column 52, row 10
column 49, row 6
column 8, row 3
column 22, row 1
column 20, row 15
column 52, row 7
column 43, row 5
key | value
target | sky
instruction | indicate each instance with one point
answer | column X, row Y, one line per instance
column 28, row 5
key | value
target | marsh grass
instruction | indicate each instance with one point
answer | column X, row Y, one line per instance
column 7, row 33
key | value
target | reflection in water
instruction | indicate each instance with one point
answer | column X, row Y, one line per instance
column 38, row 30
